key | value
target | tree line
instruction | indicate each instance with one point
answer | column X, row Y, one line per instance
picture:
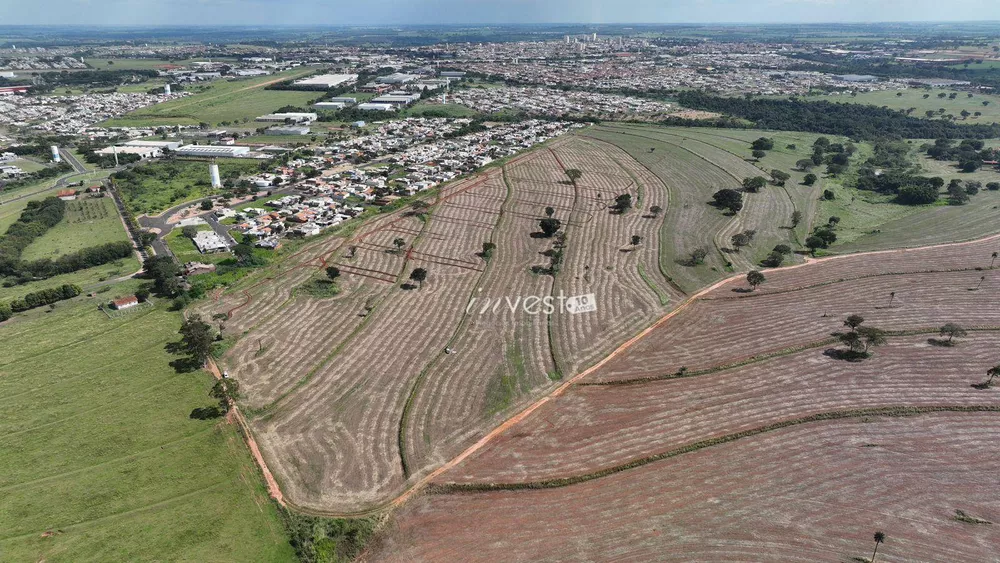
column 858, row 121
column 38, row 299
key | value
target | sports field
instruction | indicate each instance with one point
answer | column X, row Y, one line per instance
column 222, row 100
column 102, row 462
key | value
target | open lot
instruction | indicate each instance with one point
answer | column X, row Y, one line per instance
column 351, row 367
column 914, row 98
column 805, row 493
column 222, row 100
column 102, row 462
column 88, row 222
column 157, row 186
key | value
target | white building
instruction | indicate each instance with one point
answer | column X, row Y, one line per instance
column 213, row 151
column 143, row 152
column 168, row 145
column 376, row 107
column 325, row 81
column 293, row 116
column 209, row 241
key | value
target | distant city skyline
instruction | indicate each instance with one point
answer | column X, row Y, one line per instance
column 397, row 12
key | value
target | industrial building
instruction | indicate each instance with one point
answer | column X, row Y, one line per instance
column 294, row 117
column 142, row 152
column 330, row 105
column 287, row 130
column 168, row 145
column 452, row 74
column 398, row 99
column 376, row 107
column 397, row 78
column 325, row 81
column 213, row 151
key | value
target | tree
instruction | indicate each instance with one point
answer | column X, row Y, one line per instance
column 755, row 278
column 636, row 239
column 698, row 255
column 623, row 203
column 419, row 207
column 762, row 144
column 487, row 252
column 814, row 243
column 879, row 538
column 573, row 174
column 399, row 243
column 728, row 199
column 796, row 218
column 244, row 254
column 753, row 185
column 419, row 275
column 740, row 240
column 852, row 340
column 758, row 154
column 809, row 179
column 805, row 164
column 549, row 226
column 163, row 270
column 332, row 272
column 655, row 210
column 872, row 337
column 994, row 256
column 206, row 205
column 951, row 330
column 549, row 211
column 992, row 372
column 189, row 231
column 854, row 321
column 227, row 392
column 980, row 284
column 780, row 176
column 197, row 338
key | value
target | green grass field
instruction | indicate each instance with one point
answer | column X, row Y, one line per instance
column 157, row 186
column 221, row 101
column 101, row 460
column 88, row 222
column 914, row 98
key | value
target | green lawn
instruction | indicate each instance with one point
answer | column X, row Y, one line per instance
column 88, row 222
column 156, row 186
column 101, row 460
column 221, row 101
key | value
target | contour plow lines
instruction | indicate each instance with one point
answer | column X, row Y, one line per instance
column 455, row 404
column 367, row 429
column 596, row 427
column 828, row 485
column 695, row 340
column 859, row 413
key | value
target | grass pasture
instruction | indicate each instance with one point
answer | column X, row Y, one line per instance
column 88, row 222
column 914, row 98
column 101, row 461
column 225, row 100
column 157, row 186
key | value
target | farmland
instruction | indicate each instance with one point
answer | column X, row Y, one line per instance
column 811, row 492
column 303, row 359
column 102, row 462
column 220, row 101
column 677, row 416
column 88, row 222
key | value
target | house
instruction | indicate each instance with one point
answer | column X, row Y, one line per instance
column 209, row 241
column 125, row 303
column 66, row 195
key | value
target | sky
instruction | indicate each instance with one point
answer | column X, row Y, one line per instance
column 395, row 12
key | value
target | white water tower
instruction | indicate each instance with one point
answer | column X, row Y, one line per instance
column 213, row 171
column 166, row 89
column 55, row 154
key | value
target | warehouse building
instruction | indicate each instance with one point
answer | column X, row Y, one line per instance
column 294, row 117
column 213, row 151
column 396, row 99
column 168, row 145
column 290, row 130
column 397, row 78
column 325, row 81
column 376, row 107
column 142, row 152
